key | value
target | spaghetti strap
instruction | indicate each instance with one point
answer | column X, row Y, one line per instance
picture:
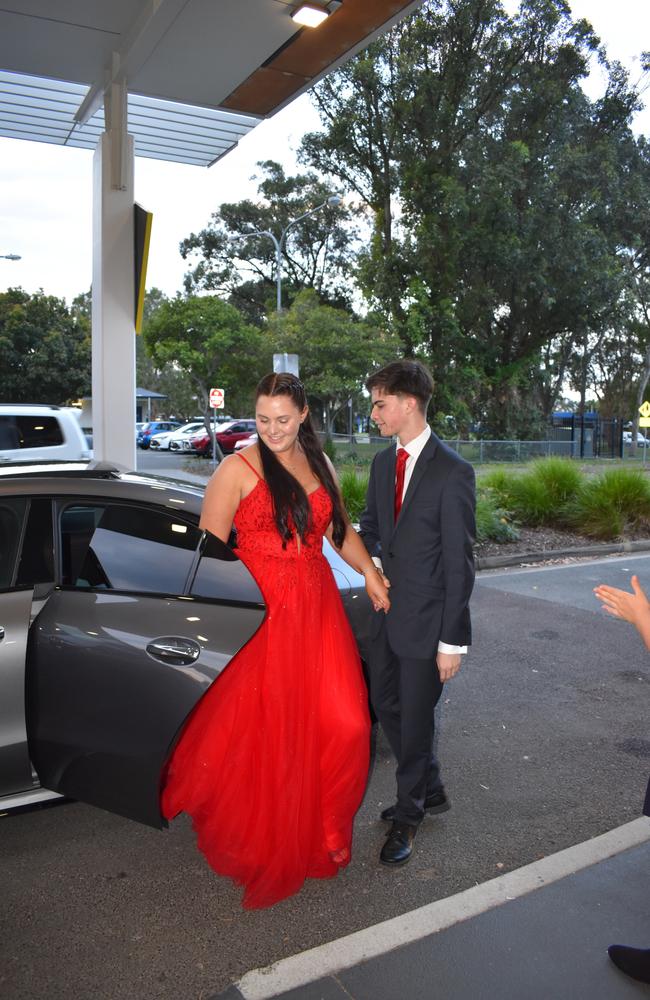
column 239, row 455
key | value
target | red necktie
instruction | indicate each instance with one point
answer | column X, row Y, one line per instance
column 400, row 467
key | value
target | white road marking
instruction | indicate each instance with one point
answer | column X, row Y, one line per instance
column 333, row 957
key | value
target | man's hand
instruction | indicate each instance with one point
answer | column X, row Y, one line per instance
column 377, row 589
column 448, row 665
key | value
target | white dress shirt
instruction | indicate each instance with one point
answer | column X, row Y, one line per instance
column 414, row 449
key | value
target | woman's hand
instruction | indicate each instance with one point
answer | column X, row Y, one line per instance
column 633, row 607
column 377, row 589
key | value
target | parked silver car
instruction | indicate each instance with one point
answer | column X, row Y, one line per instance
column 116, row 614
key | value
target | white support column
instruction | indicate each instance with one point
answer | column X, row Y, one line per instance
column 113, row 332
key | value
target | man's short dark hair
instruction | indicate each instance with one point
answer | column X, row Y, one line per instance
column 404, row 378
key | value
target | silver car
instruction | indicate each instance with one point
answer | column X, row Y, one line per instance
column 116, row 614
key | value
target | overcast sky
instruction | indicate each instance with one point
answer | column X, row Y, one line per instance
column 45, row 191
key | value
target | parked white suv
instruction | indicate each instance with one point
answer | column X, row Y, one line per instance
column 31, row 432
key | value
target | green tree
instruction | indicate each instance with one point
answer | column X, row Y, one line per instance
column 495, row 187
column 208, row 341
column 317, row 251
column 634, row 253
column 45, row 349
column 336, row 351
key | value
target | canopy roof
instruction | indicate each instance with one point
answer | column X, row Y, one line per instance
column 200, row 73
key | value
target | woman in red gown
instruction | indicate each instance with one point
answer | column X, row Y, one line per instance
column 273, row 761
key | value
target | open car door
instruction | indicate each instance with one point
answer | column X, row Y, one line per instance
column 16, row 603
column 122, row 652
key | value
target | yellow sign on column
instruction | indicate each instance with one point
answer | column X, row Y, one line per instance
column 644, row 409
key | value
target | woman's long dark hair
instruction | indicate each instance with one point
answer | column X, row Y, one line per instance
column 289, row 498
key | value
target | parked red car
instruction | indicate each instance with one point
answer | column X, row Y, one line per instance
column 227, row 437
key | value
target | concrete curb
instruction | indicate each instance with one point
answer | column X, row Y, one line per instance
column 516, row 559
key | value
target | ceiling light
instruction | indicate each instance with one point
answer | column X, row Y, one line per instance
column 309, row 16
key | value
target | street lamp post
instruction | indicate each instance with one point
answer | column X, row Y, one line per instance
column 280, row 243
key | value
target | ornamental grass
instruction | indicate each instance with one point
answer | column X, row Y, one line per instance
column 611, row 505
column 354, row 486
column 538, row 496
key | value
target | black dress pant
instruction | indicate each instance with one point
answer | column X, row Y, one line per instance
column 404, row 694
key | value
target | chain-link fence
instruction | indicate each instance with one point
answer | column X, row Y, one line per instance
column 365, row 446
column 573, row 439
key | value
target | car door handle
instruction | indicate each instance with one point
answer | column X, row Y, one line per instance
column 170, row 649
column 2, row 633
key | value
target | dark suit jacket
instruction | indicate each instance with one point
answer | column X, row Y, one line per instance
column 428, row 555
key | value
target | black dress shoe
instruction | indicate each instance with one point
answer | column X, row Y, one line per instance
column 399, row 844
column 634, row 962
column 433, row 804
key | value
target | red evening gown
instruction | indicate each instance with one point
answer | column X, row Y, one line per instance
column 273, row 761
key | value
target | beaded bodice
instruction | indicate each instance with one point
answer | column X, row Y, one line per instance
column 257, row 532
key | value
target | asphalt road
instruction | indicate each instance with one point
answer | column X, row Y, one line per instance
column 544, row 741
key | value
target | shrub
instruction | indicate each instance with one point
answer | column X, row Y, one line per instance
column 502, row 483
column 531, row 502
column 561, row 477
column 609, row 505
column 354, row 486
column 492, row 522
column 539, row 495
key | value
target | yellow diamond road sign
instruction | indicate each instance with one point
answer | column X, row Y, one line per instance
column 644, row 409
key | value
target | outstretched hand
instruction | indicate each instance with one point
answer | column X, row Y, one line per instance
column 631, row 607
column 623, row 604
column 377, row 589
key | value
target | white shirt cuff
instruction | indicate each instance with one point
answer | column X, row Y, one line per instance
column 446, row 647
column 377, row 562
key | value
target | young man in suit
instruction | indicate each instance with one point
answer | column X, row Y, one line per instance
column 419, row 527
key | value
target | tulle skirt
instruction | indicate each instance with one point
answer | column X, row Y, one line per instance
column 273, row 762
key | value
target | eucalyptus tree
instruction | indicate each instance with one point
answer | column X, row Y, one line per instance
column 494, row 186
column 240, row 267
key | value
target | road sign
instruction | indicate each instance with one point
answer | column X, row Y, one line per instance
column 217, row 399
column 644, row 421
column 644, row 409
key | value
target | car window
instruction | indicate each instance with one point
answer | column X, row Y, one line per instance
column 12, row 515
column 37, row 556
column 221, row 576
column 29, row 432
column 114, row 547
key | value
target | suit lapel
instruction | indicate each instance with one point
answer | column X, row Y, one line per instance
column 388, row 488
column 426, row 455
